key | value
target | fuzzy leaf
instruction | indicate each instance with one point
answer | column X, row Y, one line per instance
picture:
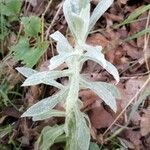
column 57, row 60
column 49, row 114
column 26, row 71
column 102, row 6
column 77, row 19
column 78, row 129
column 45, row 105
column 49, row 135
column 32, row 25
column 67, row 9
column 46, row 77
column 113, row 71
column 94, row 54
column 63, row 44
column 82, row 130
column 101, row 91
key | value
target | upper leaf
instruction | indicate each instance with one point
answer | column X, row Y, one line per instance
column 94, row 54
column 62, row 42
column 102, row 6
column 77, row 18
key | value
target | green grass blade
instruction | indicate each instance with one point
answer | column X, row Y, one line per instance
column 134, row 15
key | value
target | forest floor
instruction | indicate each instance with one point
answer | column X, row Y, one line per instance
column 125, row 44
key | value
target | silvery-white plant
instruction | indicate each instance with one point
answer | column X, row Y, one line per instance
column 76, row 129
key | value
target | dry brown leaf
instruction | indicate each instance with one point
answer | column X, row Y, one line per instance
column 97, row 39
column 145, row 122
column 100, row 118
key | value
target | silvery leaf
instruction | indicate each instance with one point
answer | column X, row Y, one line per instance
column 57, row 60
column 82, row 130
column 49, row 114
column 26, row 71
column 46, row 104
column 112, row 88
column 94, row 54
column 102, row 6
column 46, row 77
column 49, row 135
column 63, row 44
column 113, row 71
column 101, row 91
column 68, row 16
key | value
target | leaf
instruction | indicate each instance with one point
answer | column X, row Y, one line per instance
column 10, row 7
column 101, row 91
column 138, row 34
column 102, row 6
column 77, row 21
column 94, row 54
column 145, row 122
column 112, row 89
column 32, row 25
column 112, row 70
column 77, row 130
column 49, row 135
column 68, row 16
column 82, row 130
column 26, row 71
column 63, row 44
column 57, row 60
column 45, row 105
column 49, row 114
column 94, row 146
column 134, row 15
column 46, row 77
column 28, row 55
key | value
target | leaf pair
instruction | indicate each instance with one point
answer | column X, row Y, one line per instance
column 77, row 14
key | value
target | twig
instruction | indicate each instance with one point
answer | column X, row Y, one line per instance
column 146, row 82
column 53, row 21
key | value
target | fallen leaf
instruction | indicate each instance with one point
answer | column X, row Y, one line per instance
column 97, row 39
column 145, row 122
column 100, row 118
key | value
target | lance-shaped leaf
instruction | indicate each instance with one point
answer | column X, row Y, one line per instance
column 112, row 70
column 77, row 130
column 77, row 21
column 101, row 91
column 46, row 104
column 67, row 9
column 49, row 114
column 46, row 77
column 60, row 59
column 49, row 135
column 26, row 71
column 62, row 42
column 82, row 130
column 102, row 6
column 94, row 54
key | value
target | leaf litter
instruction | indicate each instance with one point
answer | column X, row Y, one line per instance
column 119, row 52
